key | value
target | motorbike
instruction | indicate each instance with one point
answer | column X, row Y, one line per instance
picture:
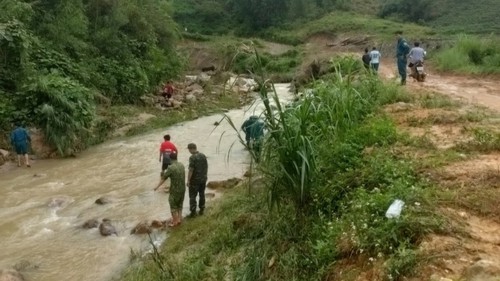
column 417, row 71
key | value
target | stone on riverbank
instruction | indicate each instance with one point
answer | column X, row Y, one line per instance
column 225, row 184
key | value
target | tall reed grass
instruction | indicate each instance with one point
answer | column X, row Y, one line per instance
column 300, row 132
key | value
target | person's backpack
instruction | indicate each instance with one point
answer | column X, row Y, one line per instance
column 166, row 157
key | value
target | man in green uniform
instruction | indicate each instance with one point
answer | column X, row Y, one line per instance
column 197, row 179
column 402, row 51
column 177, row 174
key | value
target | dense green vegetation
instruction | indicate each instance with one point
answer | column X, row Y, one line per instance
column 336, row 23
column 329, row 175
column 61, row 58
column 448, row 16
column 246, row 16
column 471, row 55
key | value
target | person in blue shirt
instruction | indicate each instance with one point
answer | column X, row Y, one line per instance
column 402, row 51
column 19, row 138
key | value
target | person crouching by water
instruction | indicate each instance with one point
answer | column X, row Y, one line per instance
column 254, row 135
column 253, row 128
column 20, row 140
column 166, row 148
column 177, row 174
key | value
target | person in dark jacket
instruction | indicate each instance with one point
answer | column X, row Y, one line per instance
column 402, row 50
column 19, row 138
column 366, row 59
column 197, row 179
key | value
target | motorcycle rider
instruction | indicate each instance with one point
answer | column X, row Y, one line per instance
column 416, row 54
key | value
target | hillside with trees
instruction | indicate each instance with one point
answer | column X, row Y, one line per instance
column 62, row 58
column 251, row 17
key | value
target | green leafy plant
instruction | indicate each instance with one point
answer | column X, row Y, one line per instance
column 63, row 108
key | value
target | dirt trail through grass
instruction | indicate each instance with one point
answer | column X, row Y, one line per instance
column 481, row 91
column 474, row 252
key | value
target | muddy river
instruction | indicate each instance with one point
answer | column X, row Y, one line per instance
column 42, row 208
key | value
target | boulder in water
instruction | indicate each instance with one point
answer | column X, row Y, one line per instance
column 141, row 228
column 102, row 201
column 26, row 265
column 92, row 223
column 158, row 224
column 10, row 275
column 230, row 183
column 106, row 228
column 59, row 202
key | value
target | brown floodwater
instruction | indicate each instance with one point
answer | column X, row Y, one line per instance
column 42, row 208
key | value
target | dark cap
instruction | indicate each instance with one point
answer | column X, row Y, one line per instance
column 191, row 146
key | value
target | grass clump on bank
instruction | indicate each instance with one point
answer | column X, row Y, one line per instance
column 115, row 117
column 329, row 175
column 273, row 64
column 471, row 55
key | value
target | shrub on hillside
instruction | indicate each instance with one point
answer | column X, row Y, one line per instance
column 63, row 108
column 471, row 55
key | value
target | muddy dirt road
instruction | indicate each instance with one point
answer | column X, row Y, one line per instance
column 470, row 90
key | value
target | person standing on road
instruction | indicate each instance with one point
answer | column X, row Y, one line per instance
column 197, row 179
column 177, row 174
column 166, row 148
column 402, row 51
column 366, row 59
column 20, row 139
column 375, row 59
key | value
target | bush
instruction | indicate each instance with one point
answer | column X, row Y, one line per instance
column 63, row 108
column 282, row 64
column 471, row 55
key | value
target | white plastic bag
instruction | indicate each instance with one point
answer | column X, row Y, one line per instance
column 395, row 209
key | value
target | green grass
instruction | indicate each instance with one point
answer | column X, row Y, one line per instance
column 470, row 16
column 484, row 140
column 437, row 100
column 322, row 198
column 346, row 23
column 471, row 55
column 114, row 117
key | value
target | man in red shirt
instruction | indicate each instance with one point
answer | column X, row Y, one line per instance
column 168, row 90
column 166, row 148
